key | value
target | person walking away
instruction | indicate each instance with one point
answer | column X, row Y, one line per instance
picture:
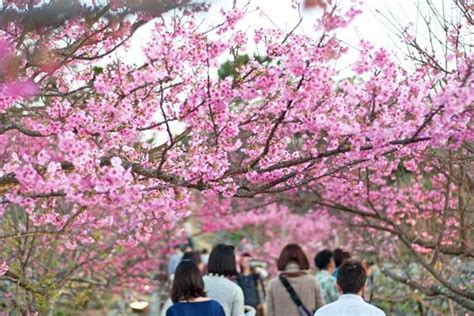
column 250, row 280
column 195, row 257
column 351, row 281
column 219, row 281
column 324, row 261
column 188, row 295
column 175, row 259
column 295, row 291
column 339, row 257
column 370, row 284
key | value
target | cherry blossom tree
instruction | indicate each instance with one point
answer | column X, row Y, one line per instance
column 409, row 209
column 87, row 192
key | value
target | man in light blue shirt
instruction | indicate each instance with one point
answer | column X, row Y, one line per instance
column 351, row 280
column 175, row 259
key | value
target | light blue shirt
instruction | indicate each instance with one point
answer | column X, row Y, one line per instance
column 349, row 305
column 175, row 259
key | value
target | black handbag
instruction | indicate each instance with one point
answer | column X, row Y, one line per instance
column 301, row 308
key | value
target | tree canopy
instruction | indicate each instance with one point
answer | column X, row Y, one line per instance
column 86, row 197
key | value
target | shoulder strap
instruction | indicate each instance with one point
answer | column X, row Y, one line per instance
column 290, row 291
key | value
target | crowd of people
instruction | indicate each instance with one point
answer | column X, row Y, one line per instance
column 222, row 284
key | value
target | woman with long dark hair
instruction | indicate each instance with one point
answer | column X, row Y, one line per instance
column 188, row 295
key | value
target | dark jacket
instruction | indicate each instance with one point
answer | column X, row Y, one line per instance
column 249, row 284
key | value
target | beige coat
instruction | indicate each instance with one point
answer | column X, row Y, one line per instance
column 279, row 302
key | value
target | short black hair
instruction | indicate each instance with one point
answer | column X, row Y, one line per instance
column 323, row 258
column 340, row 256
column 351, row 277
column 193, row 256
column 222, row 261
column 187, row 282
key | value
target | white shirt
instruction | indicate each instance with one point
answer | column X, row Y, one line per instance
column 205, row 258
column 349, row 305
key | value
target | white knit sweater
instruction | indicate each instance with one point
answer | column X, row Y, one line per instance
column 227, row 293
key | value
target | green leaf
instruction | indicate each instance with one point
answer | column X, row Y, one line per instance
column 97, row 70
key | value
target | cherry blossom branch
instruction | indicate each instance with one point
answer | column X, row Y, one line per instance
column 427, row 120
column 69, row 222
column 9, row 181
column 430, row 268
column 134, row 28
column 429, row 290
column 449, row 250
column 444, row 215
column 466, row 10
column 339, row 150
column 267, row 188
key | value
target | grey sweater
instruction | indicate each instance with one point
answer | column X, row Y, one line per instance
column 226, row 292
column 279, row 302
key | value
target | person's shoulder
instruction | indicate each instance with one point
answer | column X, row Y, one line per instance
column 217, row 308
column 274, row 281
column 314, row 281
column 375, row 310
column 241, row 278
column 326, row 309
column 214, row 304
column 331, row 279
column 305, row 277
column 310, row 279
column 223, row 283
column 172, row 310
column 207, row 280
